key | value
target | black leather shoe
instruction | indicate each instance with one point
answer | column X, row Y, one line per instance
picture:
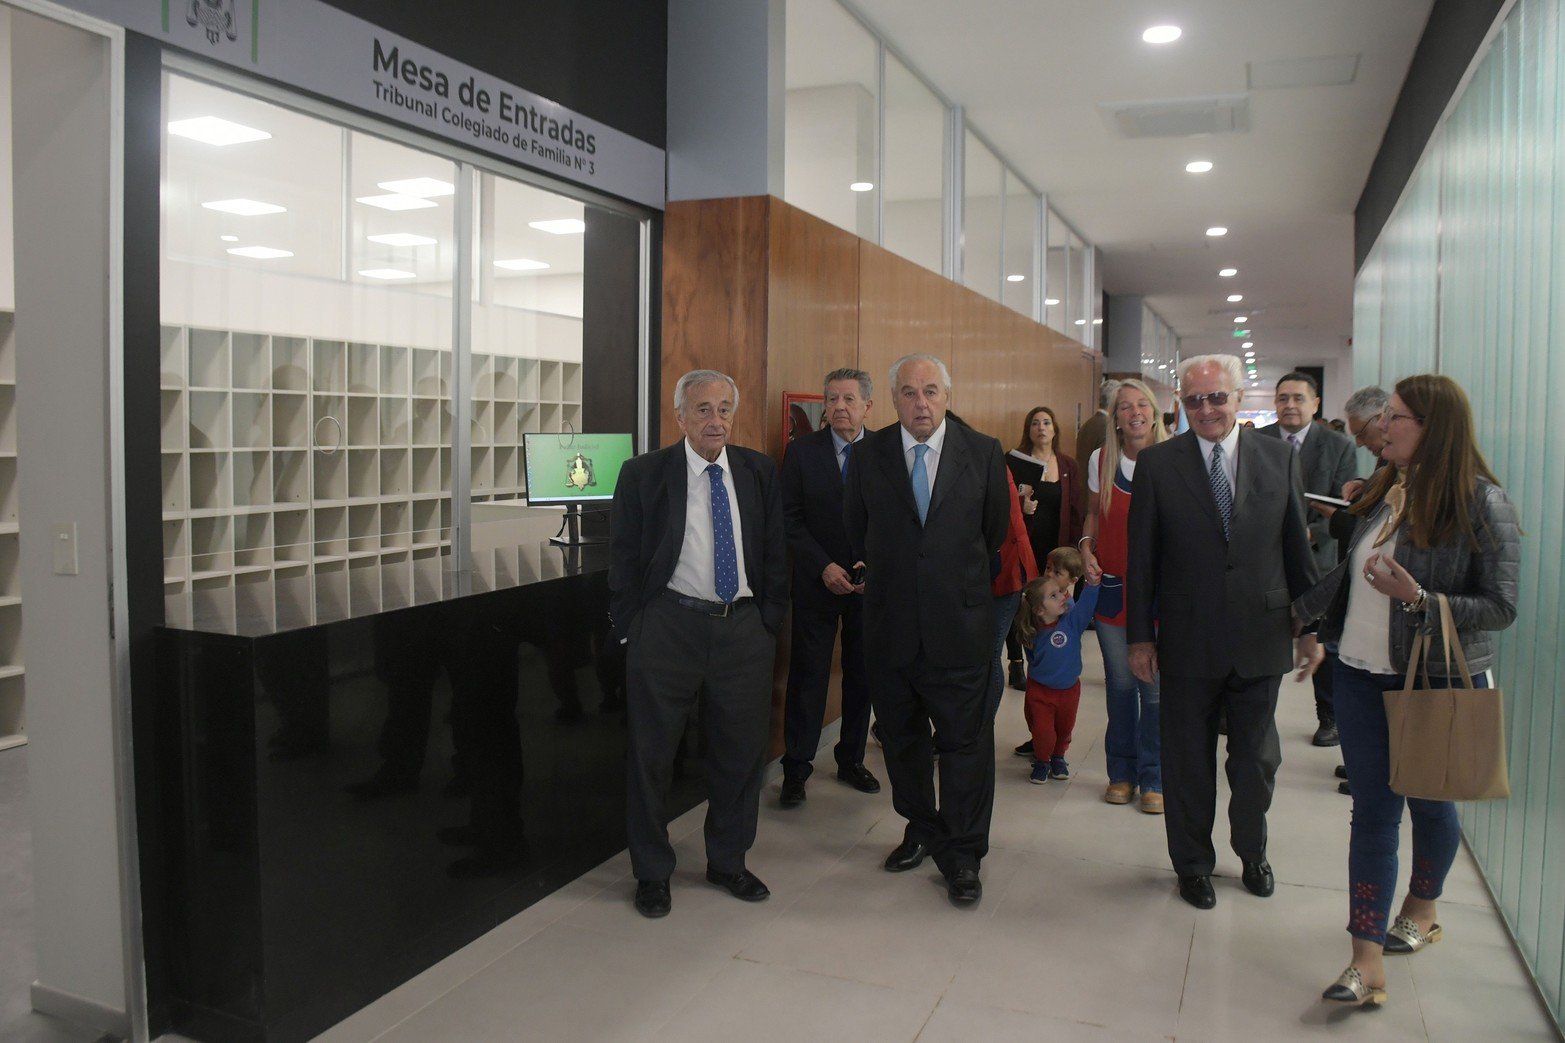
column 652, row 898
column 792, row 793
column 1258, row 879
column 1326, row 734
column 743, row 885
column 1197, row 890
column 859, row 777
column 1345, row 788
column 1018, row 678
column 964, row 887
column 1024, row 750
column 1341, row 771
column 907, row 855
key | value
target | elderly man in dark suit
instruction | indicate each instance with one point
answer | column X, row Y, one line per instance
column 825, row 594
column 699, row 577
column 1218, row 552
column 926, row 506
column 1326, row 463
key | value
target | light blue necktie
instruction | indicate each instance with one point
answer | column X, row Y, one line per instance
column 725, row 562
column 920, row 482
column 1222, row 492
column 1293, row 440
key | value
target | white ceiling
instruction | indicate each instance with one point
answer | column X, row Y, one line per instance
column 1033, row 73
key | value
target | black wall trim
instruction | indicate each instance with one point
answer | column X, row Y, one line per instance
column 1451, row 38
column 606, row 59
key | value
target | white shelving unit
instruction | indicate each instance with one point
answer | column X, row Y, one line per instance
column 309, row 479
column 13, row 719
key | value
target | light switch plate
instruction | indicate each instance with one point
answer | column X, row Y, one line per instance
column 62, row 536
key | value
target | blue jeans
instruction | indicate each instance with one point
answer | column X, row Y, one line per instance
column 1133, row 742
column 1004, row 616
column 1377, row 811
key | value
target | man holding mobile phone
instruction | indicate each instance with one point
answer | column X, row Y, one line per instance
column 828, row 591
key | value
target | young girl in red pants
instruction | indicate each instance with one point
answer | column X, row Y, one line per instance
column 1050, row 628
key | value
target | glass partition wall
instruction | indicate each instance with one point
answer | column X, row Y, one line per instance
column 322, row 440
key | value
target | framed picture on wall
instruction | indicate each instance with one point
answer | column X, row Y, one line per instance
column 802, row 412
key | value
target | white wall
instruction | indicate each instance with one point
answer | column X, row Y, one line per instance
column 61, row 125
column 7, row 278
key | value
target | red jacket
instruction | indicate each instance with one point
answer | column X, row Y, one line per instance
column 1017, row 564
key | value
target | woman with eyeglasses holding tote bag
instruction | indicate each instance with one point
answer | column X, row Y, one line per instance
column 1434, row 523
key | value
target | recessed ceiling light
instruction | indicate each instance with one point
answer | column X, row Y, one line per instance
column 260, row 253
column 244, row 207
column 229, row 238
column 423, row 187
column 1235, row 298
column 1097, row 322
column 1081, row 322
column 1249, row 344
column 862, row 186
column 521, row 264
column 561, row 226
column 386, row 273
column 212, row 130
column 1016, row 278
column 1241, row 318
column 403, row 239
column 1199, row 166
column 1051, row 302
column 1228, row 273
column 397, row 201
column 1216, row 230
column 1162, row 34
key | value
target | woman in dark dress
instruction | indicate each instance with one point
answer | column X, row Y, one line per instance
column 1047, row 482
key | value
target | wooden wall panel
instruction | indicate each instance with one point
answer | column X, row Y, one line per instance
column 715, row 273
column 903, row 308
column 813, row 316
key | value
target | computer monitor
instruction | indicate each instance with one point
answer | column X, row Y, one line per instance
column 572, row 471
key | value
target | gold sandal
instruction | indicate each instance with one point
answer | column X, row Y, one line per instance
column 1350, row 988
column 1404, row 937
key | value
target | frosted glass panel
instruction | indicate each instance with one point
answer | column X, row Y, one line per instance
column 1464, row 280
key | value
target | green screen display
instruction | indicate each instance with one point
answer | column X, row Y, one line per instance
column 571, row 468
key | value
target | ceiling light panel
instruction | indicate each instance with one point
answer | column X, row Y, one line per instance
column 214, row 130
column 397, row 201
column 1216, row 230
column 260, row 253
column 521, row 264
column 1333, row 70
column 862, row 186
column 386, row 273
column 1162, row 34
column 403, row 239
column 1235, row 298
column 244, row 207
column 561, row 226
column 1228, row 273
column 421, row 187
column 1198, row 166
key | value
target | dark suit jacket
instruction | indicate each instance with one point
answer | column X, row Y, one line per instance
column 1326, row 463
column 812, row 516
column 647, row 531
column 927, row 586
column 1222, row 606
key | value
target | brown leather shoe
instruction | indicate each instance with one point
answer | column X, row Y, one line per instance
column 1151, row 802
column 1119, row 792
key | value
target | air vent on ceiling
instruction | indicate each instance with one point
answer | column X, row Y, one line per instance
column 1332, row 70
column 1179, row 117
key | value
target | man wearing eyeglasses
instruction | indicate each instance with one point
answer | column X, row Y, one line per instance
column 1218, row 551
column 1326, row 462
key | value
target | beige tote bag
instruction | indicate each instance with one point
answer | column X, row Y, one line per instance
column 1446, row 743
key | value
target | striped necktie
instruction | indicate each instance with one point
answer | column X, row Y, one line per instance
column 1222, row 492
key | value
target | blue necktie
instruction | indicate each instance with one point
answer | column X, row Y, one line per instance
column 847, row 454
column 725, row 563
column 1222, row 492
column 920, row 482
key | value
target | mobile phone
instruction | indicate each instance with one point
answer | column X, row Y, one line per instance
column 856, row 575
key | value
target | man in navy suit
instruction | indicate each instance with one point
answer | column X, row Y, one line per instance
column 824, row 593
column 698, row 572
column 927, row 505
column 1218, row 553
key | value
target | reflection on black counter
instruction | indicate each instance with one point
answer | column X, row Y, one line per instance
column 349, row 802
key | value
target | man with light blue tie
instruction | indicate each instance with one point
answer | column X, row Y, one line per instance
column 926, row 506
column 698, row 571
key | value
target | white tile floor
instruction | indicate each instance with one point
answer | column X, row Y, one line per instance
column 1080, row 934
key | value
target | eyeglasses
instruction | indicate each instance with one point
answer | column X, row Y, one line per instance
column 1389, row 417
column 1195, row 402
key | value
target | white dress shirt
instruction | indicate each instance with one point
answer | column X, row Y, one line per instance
column 936, row 442
column 695, row 574
column 1230, row 456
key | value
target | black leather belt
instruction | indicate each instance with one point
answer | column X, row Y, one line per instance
column 706, row 608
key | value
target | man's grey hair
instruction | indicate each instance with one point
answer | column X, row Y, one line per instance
column 1367, row 403
column 866, row 385
column 919, row 356
column 1106, row 392
column 1229, row 364
column 697, row 377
